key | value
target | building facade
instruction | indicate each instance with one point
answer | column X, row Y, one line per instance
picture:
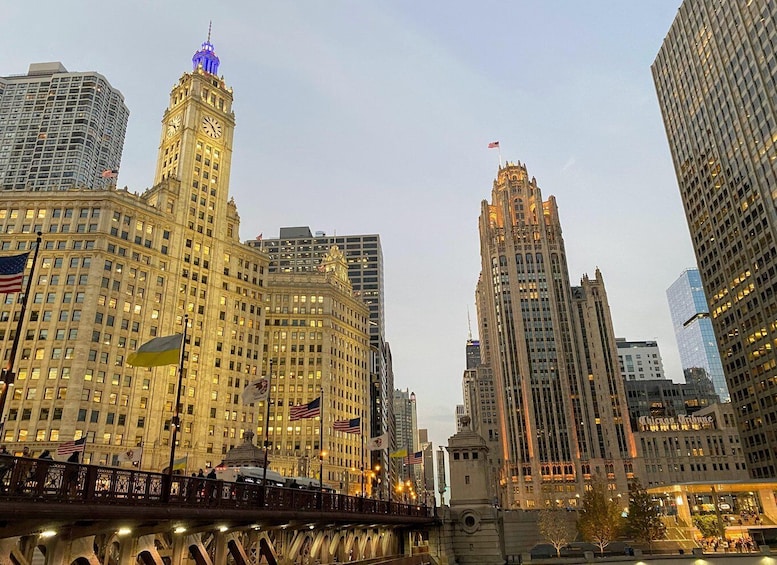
column 117, row 269
column 298, row 250
column 693, row 330
column 60, row 130
column 662, row 398
column 715, row 80
column 316, row 345
column 704, row 446
column 639, row 360
column 552, row 350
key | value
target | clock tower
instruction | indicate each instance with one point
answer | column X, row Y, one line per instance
column 197, row 130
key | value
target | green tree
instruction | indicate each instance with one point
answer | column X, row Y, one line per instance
column 709, row 526
column 600, row 520
column 644, row 522
column 558, row 527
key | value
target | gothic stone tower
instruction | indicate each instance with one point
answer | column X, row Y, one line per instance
column 552, row 350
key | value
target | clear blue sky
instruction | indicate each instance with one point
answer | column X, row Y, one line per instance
column 362, row 117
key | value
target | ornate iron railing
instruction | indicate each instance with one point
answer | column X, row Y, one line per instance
column 46, row 480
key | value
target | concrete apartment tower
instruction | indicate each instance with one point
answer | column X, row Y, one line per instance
column 639, row 360
column 553, row 354
column 694, row 332
column 60, row 130
column 714, row 76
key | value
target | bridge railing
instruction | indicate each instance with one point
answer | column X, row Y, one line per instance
column 46, row 480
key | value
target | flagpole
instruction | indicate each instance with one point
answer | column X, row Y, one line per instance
column 321, row 444
column 175, row 422
column 8, row 375
column 267, row 429
column 499, row 151
column 361, row 426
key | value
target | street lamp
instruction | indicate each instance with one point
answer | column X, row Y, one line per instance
column 377, row 480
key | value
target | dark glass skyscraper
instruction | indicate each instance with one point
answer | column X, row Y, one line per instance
column 693, row 329
column 716, row 80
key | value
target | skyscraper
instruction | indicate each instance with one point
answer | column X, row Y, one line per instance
column 552, row 351
column 715, row 80
column 297, row 250
column 317, row 339
column 116, row 269
column 59, row 130
column 693, row 329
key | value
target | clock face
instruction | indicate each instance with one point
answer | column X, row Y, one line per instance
column 174, row 125
column 211, row 126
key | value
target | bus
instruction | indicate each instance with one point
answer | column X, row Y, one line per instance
column 249, row 474
column 305, row 483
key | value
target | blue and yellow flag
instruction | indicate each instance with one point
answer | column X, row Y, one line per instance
column 159, row 351
column 180, row 464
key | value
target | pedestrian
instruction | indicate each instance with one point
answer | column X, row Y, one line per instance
column 42, row 470
column 212, row 474
column 3, row 450
column 201, row 474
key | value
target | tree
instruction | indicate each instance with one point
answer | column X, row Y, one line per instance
column 644, row 522
column 709, row 526
column 557, row 527
column 600, row 520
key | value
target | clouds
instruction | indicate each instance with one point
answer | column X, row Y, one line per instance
column 367, row 117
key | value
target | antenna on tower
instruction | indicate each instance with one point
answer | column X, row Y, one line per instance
column 469, row 327
column 210, row 25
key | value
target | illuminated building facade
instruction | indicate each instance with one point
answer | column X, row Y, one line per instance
column 117, row 269
column 704, row 446
column 317, row 337
column 714, row 76
column 59, row 130
column 298, row 250
column 553, row 354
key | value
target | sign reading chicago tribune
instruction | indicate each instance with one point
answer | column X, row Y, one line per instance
column 651, row 424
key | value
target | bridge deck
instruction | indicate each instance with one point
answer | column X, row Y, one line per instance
column 35, row 492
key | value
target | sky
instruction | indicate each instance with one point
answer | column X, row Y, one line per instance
column 374, row 117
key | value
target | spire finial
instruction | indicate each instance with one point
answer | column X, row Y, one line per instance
column 469, row 326
column 206, row 58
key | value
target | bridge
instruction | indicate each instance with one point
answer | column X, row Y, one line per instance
column 67, row 513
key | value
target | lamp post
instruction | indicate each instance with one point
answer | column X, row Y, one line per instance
column 267, row 429
column 176, row 420
column 7, row 376
column 377, row 481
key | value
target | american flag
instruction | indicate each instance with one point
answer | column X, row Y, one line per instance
column 70, row 447
column 12, row 272
column 415, row 458
column 110, row 173
column 309, row 410
column 352, row 426
column 493, row 145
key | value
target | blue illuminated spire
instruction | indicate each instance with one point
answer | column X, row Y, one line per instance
column 206, row 57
